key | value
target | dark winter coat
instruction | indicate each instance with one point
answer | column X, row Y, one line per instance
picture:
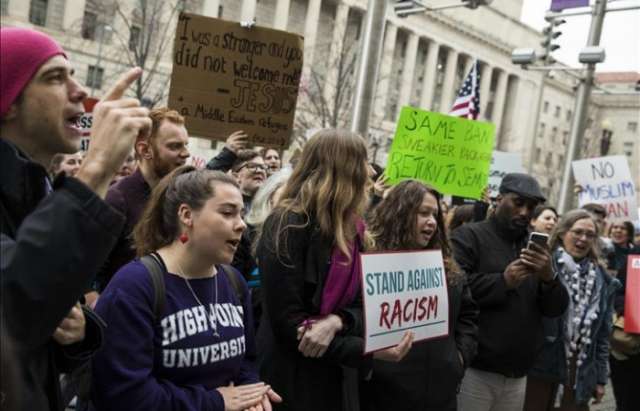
column 129, row 196
column 52, row 245
column 510, row 321
column 427, row 379
column 292, row 281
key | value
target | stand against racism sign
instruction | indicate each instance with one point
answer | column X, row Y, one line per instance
column 607, row 181
column 451, row 154
column 405, row 291
column 226, row 78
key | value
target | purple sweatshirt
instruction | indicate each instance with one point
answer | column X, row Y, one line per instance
column 178, row 362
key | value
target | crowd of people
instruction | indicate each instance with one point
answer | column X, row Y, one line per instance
column 131, row 280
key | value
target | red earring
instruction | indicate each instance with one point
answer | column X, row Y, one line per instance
column 183, row 238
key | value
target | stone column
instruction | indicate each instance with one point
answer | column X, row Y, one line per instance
column 498, row 106
column 485, row 88
column 248, row 11
column 210, row 8
column 408, row 69
column 449, row 83
column 337, row 47
column 429, row 80
column 310, row 34
column 281, row 16
column 384, row 76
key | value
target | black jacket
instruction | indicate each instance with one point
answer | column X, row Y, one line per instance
column 510, row 322
column 427, row 379
column 292, row 281
column 51, row 247
column 223, row 161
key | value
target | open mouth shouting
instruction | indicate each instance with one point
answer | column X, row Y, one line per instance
column 233, row 244
column 72, row 123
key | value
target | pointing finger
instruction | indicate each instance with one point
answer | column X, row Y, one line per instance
column 123, row 83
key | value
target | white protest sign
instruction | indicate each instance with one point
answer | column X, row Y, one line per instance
column 403, row 291
column 607, row 181
column 502, row 163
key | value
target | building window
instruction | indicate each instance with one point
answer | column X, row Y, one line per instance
column 569, row 114
column 548, row 160
column 556, row 113
column 134, row 37
column 545, row 107
column 632, row 126
column 589, row 122
column 38, row 12
column 554, row 134
column 220, row 11
column 538, row 154
column 94, row 77
column 4, row 7
column 565, row 137
column 541, row 130
column 89, row 24
column 628, row 148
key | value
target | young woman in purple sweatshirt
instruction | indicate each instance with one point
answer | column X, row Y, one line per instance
column 199, row 354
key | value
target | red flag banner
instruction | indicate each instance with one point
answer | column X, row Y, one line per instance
column 632, row 296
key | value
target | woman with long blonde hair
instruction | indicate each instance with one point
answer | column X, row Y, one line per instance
column 308, row 256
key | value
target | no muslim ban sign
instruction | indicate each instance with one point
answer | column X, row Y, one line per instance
column 405, row 291
column 226, row 78
column 451, row 154
column 607, row 181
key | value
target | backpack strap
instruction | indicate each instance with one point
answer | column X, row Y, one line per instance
column 234, row 278
column 156, row 268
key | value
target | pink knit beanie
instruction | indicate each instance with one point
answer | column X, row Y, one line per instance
column 22, row 52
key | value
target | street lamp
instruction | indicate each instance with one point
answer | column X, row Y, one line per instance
column 607, row 133
column 105, row 28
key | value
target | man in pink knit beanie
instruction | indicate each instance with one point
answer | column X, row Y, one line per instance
column 54, row 236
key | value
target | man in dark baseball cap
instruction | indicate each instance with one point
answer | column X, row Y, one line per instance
column 54, row 235
column 514, row 286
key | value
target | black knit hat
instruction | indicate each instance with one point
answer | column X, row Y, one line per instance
column 523, row 185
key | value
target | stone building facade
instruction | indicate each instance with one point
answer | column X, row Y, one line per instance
column 424, row 60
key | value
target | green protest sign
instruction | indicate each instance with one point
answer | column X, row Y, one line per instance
column 451, row 154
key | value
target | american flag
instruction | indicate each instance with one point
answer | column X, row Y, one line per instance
column 467, row 103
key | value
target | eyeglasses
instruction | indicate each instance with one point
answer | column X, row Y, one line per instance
column 589, row 235
column 254, row 167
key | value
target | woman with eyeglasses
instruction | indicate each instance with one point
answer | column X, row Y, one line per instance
column 580, row 358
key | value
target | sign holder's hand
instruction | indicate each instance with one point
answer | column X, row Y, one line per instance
column 238, row 140
column 397, row 353
column 117, row 122
column 315, row 340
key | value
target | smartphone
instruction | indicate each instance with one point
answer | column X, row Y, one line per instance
column 541, row 239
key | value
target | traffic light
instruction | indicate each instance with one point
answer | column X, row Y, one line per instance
column 550, row 34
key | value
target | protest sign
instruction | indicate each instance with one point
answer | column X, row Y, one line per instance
column 607, row 181
column 558, row 5
column 451, row 154
column 86, row 121
column 502, row 163
column 227, row 77
column 632, row 296
column 404, row 291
